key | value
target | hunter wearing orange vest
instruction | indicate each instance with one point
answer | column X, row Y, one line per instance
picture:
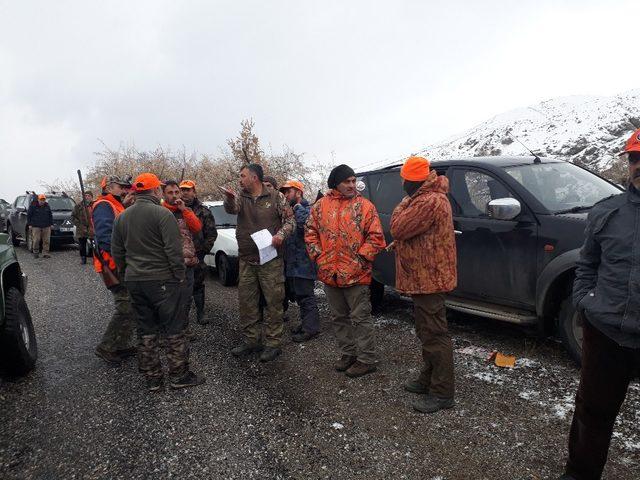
column 116, row 340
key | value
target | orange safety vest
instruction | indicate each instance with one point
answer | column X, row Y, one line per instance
column 117, row 208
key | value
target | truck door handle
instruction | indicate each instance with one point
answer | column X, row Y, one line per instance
column 457, row 232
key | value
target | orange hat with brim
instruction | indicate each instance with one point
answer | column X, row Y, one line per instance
column 633, row 144
column 42, row 197
column 415, row 169
column 188, row 184
column 146, row 181
column 292, row 184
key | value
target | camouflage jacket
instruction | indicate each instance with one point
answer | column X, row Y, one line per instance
column 343, row 237
column 205, row 238
column 270, row 211
column 425, row 244
column 81, row 218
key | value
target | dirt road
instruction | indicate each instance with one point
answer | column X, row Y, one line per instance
column 75, row 417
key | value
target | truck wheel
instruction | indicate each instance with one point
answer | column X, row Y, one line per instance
column 12, row 236
column 227, row 270
column 18, row 347
column 569, row 329
column 376, row 291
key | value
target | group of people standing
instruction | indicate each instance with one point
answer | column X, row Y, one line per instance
column 151, row 238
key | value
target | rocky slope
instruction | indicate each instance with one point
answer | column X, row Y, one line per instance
column 587, row 130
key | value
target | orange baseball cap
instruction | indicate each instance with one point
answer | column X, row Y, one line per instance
column 292, row 184
column 633, row 144
column 146, row 181
column 42, row 196
column 415, row 169
column 188, row 184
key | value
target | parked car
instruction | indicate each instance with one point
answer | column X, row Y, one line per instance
column 4, row 211
column 61, row 205
column 224, row 254
column 519, row 225
column 18, row 347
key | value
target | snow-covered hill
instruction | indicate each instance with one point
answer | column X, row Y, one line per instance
column 588, row 130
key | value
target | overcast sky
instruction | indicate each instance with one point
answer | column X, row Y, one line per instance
column 368, row 80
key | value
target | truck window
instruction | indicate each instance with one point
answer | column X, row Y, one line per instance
column 386, row 191
column 472, row 190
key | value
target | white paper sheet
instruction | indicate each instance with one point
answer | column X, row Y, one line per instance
column 263, row 239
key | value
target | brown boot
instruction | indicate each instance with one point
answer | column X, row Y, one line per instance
column 344, row 363
column 358, row 369
column 112, row 358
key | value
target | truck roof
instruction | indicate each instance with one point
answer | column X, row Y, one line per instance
column 475, row 161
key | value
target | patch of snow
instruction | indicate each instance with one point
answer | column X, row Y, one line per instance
column 337, row 426
column 489, row 377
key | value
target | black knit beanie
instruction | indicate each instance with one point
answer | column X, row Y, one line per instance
column 339, row 175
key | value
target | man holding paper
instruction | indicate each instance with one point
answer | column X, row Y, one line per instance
column 265, row 220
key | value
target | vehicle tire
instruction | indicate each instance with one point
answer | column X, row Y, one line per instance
column 569, row 330
column 376, row 291
column 12, row 235
column 227, row 270
column 18, row 347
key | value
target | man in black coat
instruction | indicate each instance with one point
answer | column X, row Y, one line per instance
column 606, row 293
column 40, row 220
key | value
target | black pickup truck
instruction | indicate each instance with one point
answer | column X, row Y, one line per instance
column 519, row 224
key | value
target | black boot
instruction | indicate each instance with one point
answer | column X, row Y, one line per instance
column 198, row 300
column 83, row 260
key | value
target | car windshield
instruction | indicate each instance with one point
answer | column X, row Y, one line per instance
column 60, row 203
column 562, row 186
column 223, row 218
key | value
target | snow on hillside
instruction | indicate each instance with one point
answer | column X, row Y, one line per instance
column 587, row 130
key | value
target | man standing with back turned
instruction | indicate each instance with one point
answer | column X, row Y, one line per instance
column 606, row 293
column 147, row 248
column 425, row 245
column 259, row 207
column 343, row 237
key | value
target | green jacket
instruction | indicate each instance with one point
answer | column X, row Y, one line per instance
column 146, row 243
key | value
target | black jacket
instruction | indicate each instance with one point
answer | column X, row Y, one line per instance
column 39, row 216
column 607, row 284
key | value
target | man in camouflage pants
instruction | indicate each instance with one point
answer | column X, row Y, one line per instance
column 259, row 208
column 203, row 241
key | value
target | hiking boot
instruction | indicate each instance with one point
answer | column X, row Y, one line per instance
column 246, row 349
column 36, row 255
column 296, row 328
column 127, row 352
column 303, row 336
column 201, row 318
column 189, row 380
column 344, row 363
column 359, row 369
column 46, row 255
column 112, row 358
column 431, row 404
column 269, row 354
column 154, row 384
column 414, row 386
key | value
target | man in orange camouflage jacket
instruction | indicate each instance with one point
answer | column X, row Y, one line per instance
column 343, row 236
column 424, row 241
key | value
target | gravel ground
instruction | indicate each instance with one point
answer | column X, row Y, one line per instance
column 75, row 417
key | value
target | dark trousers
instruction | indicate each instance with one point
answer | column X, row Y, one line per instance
column 607, row 369
column 158, row 306
column 187, row 293
column 301, row 291
column 437, row 348
column 85, row 247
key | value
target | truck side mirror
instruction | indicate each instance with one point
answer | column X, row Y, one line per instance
column 504, row 208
